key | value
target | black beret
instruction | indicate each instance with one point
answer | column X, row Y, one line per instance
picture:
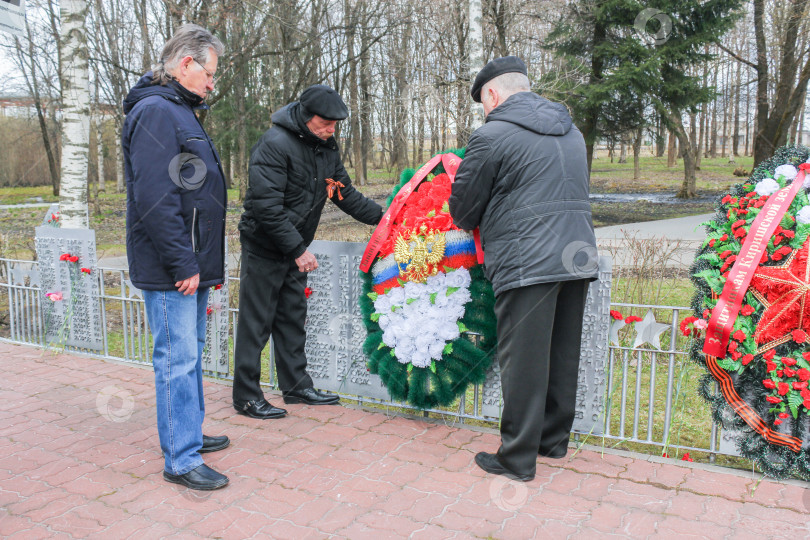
column 324, row 101
column 498, row 66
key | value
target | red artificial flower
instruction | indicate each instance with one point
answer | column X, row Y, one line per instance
column 799, row 336
column 208, row 311
column 664, row 454
column 764, row 258
column 770, row 366
column 732, row 346
column 726, row 199
column 769, row 384
column 307, row 292
column 769, row 355
column 686, row 457
column 783, row 388
column 86, row 270
column 773, row 399
column 747, row 359
column 73, row 259
column 788, row 234
column 783, row 415
column 789, row 372
column 804, row 374
column 632, row 319
column 685, row 330
column 218, row 287
column 799, row 385
column 725, row 254
column 805, row 167
column 777, row 240
column 616, row 315
column 805, row 394
column 739, row 233
column 706, row 313
column 788, row 361
column 64, row 256
column 739, row 335
column 738, row 223
column 806, row 403
column 777, row 422
column 724, row 238
column 712, row 242
column 747, row 310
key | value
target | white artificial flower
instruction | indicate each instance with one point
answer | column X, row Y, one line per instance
column 382, row 304
column 803, row 215
column 436, row 349
column 435, row 283
column 767, row 186
column 459, row 278
column 442, row 300
column 787, row 170
column 413, row 289
column 397, row 295
column 420, row 359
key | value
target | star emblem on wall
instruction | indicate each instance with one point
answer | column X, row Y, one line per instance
column 784, row 291
column 649, row 331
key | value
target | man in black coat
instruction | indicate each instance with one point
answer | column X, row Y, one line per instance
column 294, row 168
column 176, row 201
column 524, row 181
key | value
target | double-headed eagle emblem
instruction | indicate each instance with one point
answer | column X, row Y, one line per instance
column 418, row 255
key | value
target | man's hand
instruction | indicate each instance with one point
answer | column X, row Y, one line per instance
column 306, row 262
column 188, row 286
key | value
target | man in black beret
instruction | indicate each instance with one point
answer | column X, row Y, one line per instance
column 294, row 167
column 524, row 181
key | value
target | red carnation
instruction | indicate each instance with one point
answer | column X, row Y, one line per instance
column 747, row 359
column 64, row 256
column 724, row 238
column 739, row 233
column 706, row 313
column 783, row 415
column 218, row 287
column 788, row 234
column 788, row 361
column 804, row 374
column 732, row 346
column 725, row 254
column 739, row 335
column 73, row 259
column 685, row 330
column 779, row 373
column 799, row 336
column 789, row 372
column 769, row 384
column 209, row 311
column 86, row 270
column 307, row 292
column 747, row 310
column 773, row 399
column 764, row 258
column 770, row 366
column 711, row 242
column 769, row 355
column 616, row 315
column 738, row 223
column 726, row 199
column 806, row 403
column 686, row 457
column 632, row 319
column 783, row 388
column 799, row 385
column 777, row 422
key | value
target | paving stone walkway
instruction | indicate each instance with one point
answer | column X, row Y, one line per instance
column 79, row 457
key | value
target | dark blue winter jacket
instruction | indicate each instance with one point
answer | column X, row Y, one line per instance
column 176, row 195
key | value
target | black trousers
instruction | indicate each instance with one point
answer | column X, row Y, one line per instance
column 271, row 301
column 539, row 335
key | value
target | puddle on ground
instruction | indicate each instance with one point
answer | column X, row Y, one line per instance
column 665, row 198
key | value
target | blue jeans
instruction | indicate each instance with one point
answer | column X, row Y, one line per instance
column 178, row 329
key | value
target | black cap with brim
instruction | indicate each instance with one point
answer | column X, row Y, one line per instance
column 324, row 101
column 496, row 67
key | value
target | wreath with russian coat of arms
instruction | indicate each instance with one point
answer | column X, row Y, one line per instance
column 763, row 378
column 427, row 307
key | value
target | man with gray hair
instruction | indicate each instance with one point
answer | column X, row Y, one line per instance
column 176, row 202
column 524, row 181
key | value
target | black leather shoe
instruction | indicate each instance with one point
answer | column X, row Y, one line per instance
column 212, row 444
column 491, row 464
column 310, row 396
column 203, row 478
column 261, row 409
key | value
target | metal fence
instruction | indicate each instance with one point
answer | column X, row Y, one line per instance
column 650, row 395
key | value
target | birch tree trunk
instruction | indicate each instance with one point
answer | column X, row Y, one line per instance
column 75, row 114
column 476, row 44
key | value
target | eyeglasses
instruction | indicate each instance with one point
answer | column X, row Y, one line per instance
column 210, row 75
